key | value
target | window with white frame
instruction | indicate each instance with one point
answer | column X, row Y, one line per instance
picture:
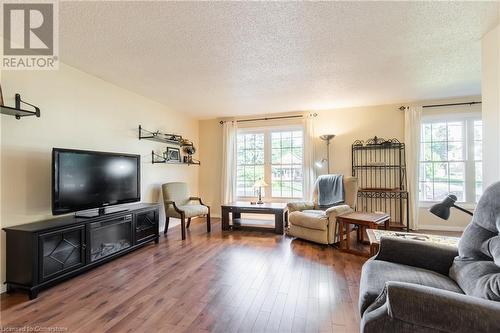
column 451, row 158
column 250, row 162
column 287, row 163
column 275, row 155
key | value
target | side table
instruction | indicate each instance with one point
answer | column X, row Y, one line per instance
column 362, row 220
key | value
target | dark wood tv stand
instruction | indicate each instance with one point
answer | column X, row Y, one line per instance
column 44, row 253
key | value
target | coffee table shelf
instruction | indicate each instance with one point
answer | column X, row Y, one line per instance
column 279, row 211
column 374, row 236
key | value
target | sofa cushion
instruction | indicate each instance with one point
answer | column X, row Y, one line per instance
column 376, row 273
column 312, row 235
column 478, row 278
column 311, row 219
column 315, row 212
column 477, row 268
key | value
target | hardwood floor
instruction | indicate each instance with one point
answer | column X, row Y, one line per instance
column 218, row 282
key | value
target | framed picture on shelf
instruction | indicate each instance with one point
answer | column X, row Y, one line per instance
column 173, row 155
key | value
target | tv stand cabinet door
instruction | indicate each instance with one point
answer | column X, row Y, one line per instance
column 146, row 225
column 61, row 251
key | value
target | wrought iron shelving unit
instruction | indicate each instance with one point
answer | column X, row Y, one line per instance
column 380, row 167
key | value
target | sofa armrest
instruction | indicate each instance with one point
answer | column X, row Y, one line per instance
column 333, row 226
column 335, row 211
column 434, row 257
column 441, row 310
column 299, row 206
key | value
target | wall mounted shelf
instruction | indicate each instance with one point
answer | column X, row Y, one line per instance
column 169, row 139
column 157, row 136
column 17, row 111
column 156, row 159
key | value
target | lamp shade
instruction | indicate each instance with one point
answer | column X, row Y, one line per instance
column 260, row 183
column 442, row 209
column 327, row 137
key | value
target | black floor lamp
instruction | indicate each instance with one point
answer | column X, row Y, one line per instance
column 442, row 209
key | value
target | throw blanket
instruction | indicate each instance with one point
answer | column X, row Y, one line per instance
column 330, row 190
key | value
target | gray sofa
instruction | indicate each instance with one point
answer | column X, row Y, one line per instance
column 412, row 286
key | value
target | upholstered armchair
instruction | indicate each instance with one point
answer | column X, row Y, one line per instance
column 307, row 221
column 178, row 204
column 414, row 286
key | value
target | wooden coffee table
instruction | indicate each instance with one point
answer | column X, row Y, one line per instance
column 375, row 235
column 362, row 220
column 279, row 211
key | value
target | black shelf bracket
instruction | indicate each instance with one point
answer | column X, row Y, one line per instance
column 17, row 111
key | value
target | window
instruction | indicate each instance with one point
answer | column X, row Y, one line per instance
column 250, row 162
column 451, row 158
column 286, row 164
column 275, row 155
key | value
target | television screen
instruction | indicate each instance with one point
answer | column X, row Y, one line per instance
column 89, row 179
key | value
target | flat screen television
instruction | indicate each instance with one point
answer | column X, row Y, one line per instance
column 83, row 180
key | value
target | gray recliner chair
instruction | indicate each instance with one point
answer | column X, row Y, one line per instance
column 412, row 286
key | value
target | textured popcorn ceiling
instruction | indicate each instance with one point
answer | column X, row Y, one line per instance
column 219, row 59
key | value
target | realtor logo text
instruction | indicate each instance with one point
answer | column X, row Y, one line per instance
column 30, row 32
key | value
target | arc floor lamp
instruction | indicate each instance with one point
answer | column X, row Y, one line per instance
column 327, row 138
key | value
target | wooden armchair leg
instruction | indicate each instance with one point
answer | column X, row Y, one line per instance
column 208, row 221
column 189, row 223
column 183, row 227
column 167, row 220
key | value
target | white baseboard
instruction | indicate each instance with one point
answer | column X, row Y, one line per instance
column 3, row 288
column 435, row 227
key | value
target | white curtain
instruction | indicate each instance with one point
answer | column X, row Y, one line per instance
column 309, row 156
column 229, row 129
column 413, row 118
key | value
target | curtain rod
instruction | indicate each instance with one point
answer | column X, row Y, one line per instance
column 266, row 118
column 402, row 108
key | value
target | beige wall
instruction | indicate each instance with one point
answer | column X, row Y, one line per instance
column 211, row 164
column 348, row 124
column 490, row 86
column 83, row 112
column 351, row 124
